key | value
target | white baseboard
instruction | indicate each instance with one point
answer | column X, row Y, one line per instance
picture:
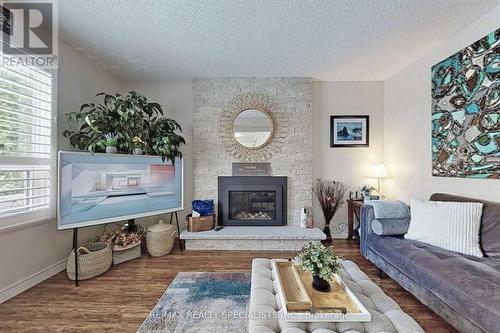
column 31, row 281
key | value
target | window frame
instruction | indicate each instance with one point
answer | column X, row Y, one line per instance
column 35, row 216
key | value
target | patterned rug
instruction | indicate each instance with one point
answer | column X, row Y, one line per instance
column 202, row 302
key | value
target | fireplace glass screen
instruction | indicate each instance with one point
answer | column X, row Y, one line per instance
column 252, row 205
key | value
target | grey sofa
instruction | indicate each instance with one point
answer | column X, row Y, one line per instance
column 464, row 290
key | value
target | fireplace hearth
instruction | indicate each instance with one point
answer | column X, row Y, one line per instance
column 252, row 201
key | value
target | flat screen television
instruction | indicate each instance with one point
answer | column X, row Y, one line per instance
column 103, row 188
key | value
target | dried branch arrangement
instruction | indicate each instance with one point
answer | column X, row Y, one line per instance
column 331, row 195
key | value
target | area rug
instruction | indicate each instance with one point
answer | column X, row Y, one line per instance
column 202, row 302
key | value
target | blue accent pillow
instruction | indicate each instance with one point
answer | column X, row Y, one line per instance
column 203, row 207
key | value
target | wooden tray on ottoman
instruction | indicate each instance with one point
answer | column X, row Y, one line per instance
column 301, row 302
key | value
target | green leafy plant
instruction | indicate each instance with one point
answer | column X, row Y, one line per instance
column 319, row 260
column 127, row 117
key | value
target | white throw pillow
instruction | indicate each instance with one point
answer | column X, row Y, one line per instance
column 453, row 226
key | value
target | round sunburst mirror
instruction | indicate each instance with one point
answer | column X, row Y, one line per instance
column 253, row 128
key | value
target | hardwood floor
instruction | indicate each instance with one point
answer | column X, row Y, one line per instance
column 120, row 299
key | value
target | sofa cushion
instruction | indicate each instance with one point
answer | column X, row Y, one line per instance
column 467, row 284
column 490, row 224
column 453, row 226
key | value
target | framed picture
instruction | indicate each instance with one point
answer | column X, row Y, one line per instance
column 349, row 131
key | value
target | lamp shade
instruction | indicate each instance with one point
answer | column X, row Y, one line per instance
column 377, row 171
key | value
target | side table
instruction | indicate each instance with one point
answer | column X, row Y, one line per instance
column 353, row 211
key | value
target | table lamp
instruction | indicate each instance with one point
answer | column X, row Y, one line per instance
column 378, row 171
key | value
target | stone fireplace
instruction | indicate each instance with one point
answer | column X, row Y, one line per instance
column 293, row 97
column 252, row 201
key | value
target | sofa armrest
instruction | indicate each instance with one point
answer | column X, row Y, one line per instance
column 390, row 227
column 365, row 227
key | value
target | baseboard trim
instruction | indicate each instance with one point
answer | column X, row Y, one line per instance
column 31, row 281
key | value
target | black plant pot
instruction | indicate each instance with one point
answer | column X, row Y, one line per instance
column 320, row 284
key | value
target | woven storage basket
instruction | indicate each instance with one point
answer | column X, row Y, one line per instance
column 201, row 223
column 93, row 259
column 129, row 253
column 160, row 239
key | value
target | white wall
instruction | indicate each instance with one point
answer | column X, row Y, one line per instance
column 176, row 98
column 408, row 124
column 348, row 165
column 28, row 251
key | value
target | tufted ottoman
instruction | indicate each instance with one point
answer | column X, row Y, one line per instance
column 266, row 315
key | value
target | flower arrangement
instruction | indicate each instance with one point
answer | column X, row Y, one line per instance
column 321, row 262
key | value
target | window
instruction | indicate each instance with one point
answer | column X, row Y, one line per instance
column 27, row 146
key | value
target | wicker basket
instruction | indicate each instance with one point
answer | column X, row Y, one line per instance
column 126, row 254
column 160, row 239
column 93, row 259
column 202, row 223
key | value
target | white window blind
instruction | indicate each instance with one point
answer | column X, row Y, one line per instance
column 27, row 147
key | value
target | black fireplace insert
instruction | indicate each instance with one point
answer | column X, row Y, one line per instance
column 252, row 201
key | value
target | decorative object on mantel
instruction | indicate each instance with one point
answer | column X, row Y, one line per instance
column 125, row 118
column 466, row 112
column 321, row 263
column 306, row 217
column 303, row 217
column 94, row 259
column 251, row 169
column 350, row 131
column 200, row 223
column 202, row 207
column 273, row 128
column 160, row 238
column 331, row 195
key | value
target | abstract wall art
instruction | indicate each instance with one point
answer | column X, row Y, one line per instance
column 466, row 112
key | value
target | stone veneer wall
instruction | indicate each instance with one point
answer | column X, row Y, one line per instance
column 293, row 96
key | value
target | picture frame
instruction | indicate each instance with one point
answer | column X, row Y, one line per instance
column 351, row 131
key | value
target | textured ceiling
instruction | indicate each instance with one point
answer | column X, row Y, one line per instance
column 323, row 39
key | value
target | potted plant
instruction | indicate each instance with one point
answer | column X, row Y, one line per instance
column 321, row 263
column 128, row 117
column 110, row 141
column 366, row 191
column 331, row 195
column 138, row 144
